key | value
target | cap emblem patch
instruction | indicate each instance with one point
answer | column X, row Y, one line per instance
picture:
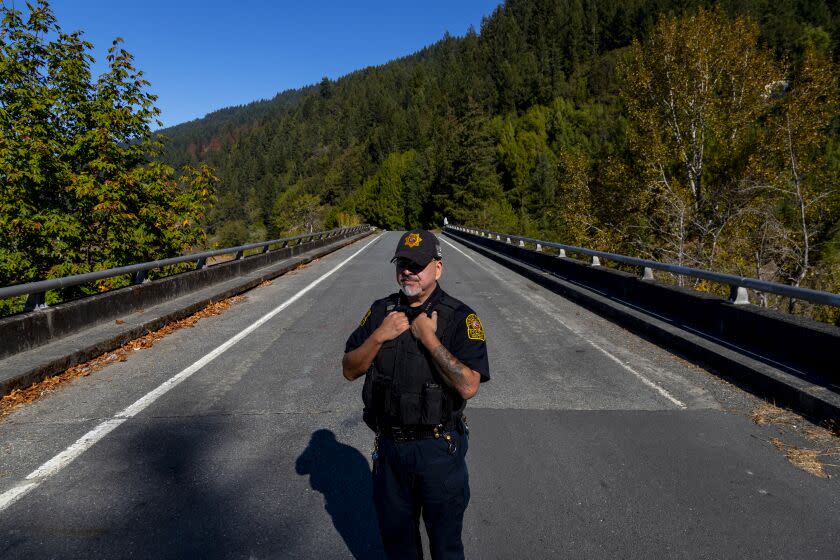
column 475, row 331
column 413, row 240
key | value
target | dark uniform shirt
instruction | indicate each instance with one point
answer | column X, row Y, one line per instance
column 466, row 341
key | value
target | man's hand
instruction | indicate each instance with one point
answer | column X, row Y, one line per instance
column 460, row 377
column 356, row 362
column 394, row 324
column 424, row 328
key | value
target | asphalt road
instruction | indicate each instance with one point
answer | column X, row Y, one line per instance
column 588, row 442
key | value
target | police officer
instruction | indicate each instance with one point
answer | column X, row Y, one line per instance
column 423, row 355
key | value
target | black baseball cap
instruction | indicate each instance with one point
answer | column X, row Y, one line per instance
column 419, row 246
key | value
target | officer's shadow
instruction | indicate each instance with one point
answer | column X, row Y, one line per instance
column 342, row 475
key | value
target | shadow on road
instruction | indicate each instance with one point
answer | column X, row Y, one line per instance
column 206, row 487
column 342, row 475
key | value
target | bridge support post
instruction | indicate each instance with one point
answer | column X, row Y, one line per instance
column 561, row 254
column 647, row 273
column 521, row 243
column 35, row 301
column 739, row 295
column 596, row 261
column 508, row 239
column 498, row 238
column 539, row 248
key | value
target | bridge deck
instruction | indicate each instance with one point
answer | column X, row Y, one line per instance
column 589, row 442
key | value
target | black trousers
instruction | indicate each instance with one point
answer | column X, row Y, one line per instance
column 421, row 478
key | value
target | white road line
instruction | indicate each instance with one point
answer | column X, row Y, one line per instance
column 87, row 441
column 459, row 250
column 10, row 496
column 659, row 389
column 71, row 453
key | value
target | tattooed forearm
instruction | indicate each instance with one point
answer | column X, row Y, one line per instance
column 460, row 377
column 449, row 366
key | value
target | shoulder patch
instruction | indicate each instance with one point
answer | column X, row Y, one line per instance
column 365, row 318
column 475, row 331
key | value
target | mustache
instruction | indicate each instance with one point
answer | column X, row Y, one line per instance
column 406, row 277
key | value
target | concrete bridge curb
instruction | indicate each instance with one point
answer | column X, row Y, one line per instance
column 814, row 400
column 42, row 361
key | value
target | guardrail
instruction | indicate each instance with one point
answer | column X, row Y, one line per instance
column 738, row 284
column 36, row 291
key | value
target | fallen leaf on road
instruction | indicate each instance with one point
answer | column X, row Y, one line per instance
column 35, row 391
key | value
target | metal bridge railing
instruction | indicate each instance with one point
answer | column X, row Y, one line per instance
column 737, row 284
column 36, row 291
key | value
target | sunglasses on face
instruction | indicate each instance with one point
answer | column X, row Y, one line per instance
column 411, row 266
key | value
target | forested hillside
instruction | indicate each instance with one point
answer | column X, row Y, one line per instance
column 685, row 131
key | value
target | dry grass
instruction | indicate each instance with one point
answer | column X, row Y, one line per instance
column 19, row 397
column 820, row 434
column 766, row 414
column 806, row 459
column 825, row 438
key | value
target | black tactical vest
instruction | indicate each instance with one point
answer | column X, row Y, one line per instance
column 402, row 386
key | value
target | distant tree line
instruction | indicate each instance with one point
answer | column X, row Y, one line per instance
column 690, row 132
column 696, row 133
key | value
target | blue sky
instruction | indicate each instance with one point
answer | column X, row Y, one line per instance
column 204, row 55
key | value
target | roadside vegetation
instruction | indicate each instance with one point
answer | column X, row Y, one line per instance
column 82, row 187
column 700, row 133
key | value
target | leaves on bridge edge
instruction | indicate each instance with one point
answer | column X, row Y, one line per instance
column 825, row 438
column 19, row 397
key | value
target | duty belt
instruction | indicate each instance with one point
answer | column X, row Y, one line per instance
column 402, row 434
